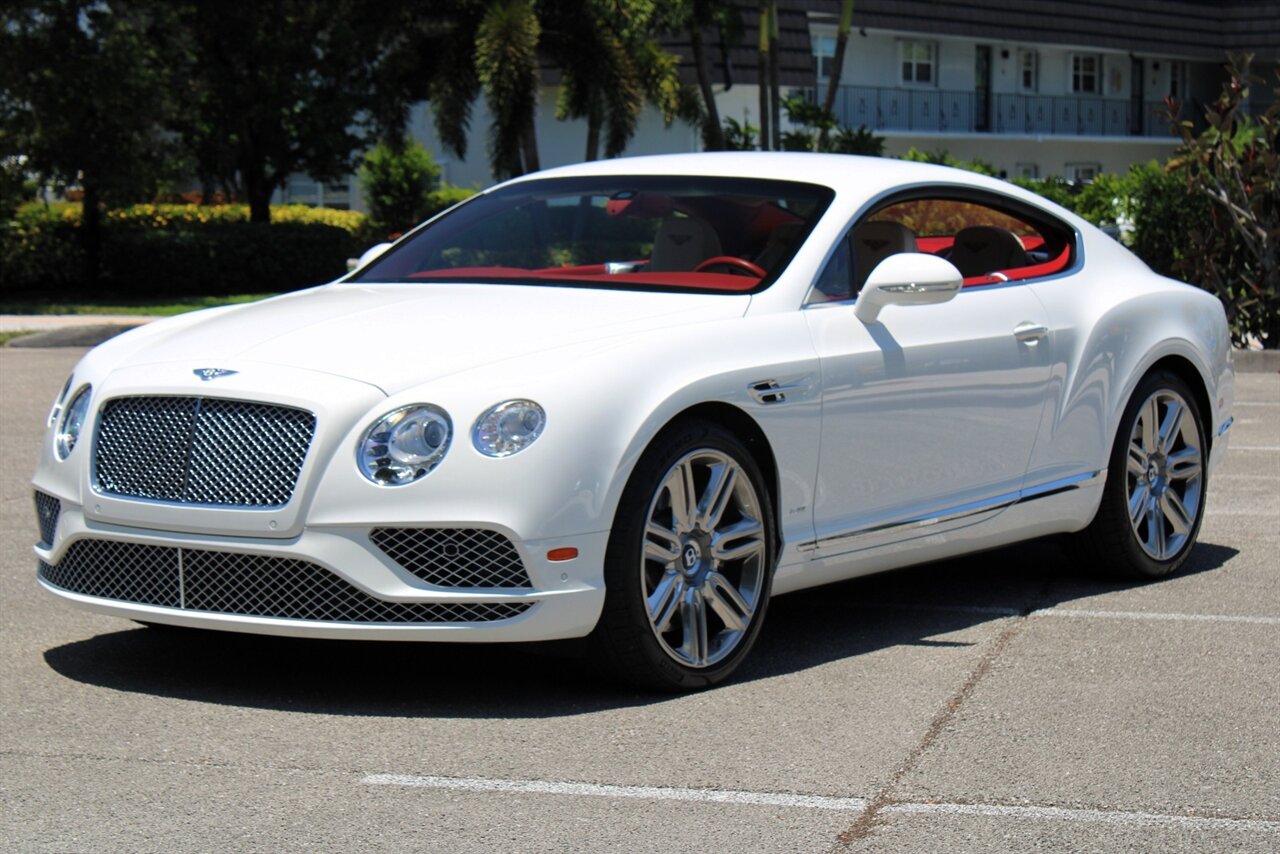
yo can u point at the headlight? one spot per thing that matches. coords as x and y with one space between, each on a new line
56 409
72 420
405 445
508 428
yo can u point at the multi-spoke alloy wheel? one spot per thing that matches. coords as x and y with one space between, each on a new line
703 558
1153 500
1165 474
690 561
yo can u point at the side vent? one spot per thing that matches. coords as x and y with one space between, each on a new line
768 391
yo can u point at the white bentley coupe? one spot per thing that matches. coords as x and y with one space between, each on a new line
630 401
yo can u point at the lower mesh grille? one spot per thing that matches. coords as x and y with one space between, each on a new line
454 557
47 510
250 585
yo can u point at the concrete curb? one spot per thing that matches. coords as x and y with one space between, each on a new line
1257 361
1246 361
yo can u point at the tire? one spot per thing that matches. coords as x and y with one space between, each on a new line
1158 467
686 592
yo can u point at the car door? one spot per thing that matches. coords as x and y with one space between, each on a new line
929 414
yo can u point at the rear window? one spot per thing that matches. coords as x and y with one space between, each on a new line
728 235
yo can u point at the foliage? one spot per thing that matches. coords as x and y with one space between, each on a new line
446 197
397 183
84 97
168 250
1234 166
272 89
821 131
739 137
942 157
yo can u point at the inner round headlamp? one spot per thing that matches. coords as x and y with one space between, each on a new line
405 445
508 428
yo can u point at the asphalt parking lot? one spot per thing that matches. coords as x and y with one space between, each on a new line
1001 702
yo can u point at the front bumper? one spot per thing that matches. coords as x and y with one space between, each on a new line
563 599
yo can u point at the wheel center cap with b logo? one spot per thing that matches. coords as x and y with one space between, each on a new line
692 554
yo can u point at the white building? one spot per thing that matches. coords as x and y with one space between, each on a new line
1036 87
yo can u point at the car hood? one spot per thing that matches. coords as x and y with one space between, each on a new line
398 336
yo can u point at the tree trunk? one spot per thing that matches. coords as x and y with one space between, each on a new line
775 93
529 146
713 134
837 70
257 191
593 134
762 75
91 230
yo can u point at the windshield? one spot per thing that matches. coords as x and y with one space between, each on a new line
724 235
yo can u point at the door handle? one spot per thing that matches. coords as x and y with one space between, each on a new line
1030 333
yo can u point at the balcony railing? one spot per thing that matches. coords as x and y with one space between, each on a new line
942 111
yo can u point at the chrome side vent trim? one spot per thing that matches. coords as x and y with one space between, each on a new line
768 391
772 391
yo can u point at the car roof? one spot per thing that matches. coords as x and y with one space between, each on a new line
851 174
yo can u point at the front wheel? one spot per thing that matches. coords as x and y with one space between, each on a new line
1153 501
690 561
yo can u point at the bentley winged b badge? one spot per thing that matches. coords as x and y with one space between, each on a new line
207 374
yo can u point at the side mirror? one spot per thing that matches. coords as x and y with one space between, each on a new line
369 254
907 278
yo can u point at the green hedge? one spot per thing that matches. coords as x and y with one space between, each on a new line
180 250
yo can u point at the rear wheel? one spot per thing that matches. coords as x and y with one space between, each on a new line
690 562
1153 502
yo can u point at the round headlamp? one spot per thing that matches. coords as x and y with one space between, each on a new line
508 428
56 409
404 445
72 421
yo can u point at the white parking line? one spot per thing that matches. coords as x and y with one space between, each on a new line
1095 816
1217 477
816 802
653 793
1255 448
1254 403
1150 615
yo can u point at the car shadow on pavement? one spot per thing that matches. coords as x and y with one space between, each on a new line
913 607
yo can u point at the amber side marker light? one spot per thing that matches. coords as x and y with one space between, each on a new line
562 554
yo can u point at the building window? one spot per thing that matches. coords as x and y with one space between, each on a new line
918 59
1083 173
1086 73
824 55
1029 70
1029 171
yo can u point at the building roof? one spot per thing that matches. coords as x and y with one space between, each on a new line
739 62
1201 29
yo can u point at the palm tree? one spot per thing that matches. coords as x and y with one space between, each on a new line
837 69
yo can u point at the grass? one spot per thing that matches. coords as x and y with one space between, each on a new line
6 337
146 307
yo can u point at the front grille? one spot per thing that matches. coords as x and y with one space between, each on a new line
454 557
47 510
250 585
201 450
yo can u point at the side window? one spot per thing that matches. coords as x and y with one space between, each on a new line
836 281
989 243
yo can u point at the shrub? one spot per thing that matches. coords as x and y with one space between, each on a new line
162 250
397 183
1233 167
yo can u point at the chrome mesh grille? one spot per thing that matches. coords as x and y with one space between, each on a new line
47 510
454 557
125 571
251 585
201 450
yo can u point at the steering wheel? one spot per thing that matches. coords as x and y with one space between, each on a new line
738 266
